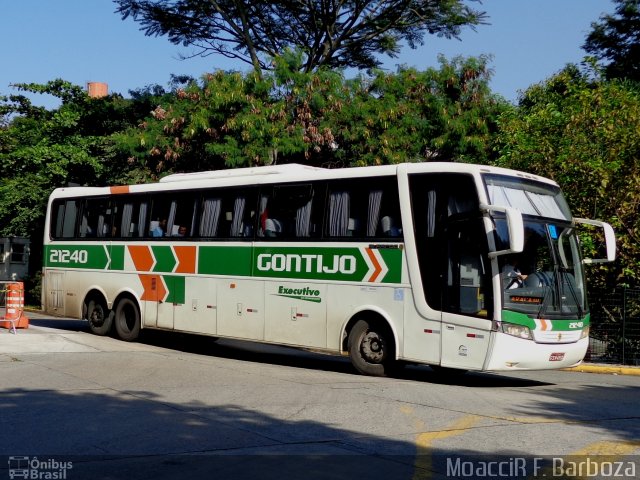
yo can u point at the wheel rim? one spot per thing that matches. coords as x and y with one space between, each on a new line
373 347
97 316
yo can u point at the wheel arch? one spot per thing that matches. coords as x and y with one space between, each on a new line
97 292
377 317
127 293
93 293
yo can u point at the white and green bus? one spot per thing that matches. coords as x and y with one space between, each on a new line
447 264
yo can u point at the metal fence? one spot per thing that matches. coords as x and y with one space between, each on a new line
615 327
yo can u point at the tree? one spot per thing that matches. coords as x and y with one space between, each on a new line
330 34
320 118
44 149
583 132
615 39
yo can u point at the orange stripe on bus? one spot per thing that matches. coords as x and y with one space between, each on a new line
186 258
119 189
142 257
154 289
376 265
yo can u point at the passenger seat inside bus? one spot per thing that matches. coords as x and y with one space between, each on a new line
272 227
387 224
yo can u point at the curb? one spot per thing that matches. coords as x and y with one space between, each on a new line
607 369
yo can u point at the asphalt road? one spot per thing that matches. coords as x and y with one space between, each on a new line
177 406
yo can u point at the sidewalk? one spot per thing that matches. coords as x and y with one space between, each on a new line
604 368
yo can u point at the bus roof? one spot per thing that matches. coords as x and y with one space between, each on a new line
288 173
241 172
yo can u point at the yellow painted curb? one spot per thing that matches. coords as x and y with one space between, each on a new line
615 370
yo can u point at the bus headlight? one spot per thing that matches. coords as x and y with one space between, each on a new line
585 333
519 331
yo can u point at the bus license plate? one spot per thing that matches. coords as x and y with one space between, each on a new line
556 357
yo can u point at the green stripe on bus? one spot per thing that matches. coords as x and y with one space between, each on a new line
165 260
560 325
393 258
176 289
225 260
347 264
76 256
117 257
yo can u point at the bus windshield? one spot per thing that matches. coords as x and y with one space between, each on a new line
546 279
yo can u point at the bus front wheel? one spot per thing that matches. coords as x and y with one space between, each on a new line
371 348
100 317
127 320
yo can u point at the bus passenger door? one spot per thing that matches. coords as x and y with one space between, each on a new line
467 300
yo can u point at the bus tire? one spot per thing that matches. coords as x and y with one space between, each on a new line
100 318
127 320
371 348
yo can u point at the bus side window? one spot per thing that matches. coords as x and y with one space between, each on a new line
65 218
96 218
285 211
173 217
131 217
363 209
240 213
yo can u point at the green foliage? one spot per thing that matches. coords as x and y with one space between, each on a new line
41 149
584 133
615 39
320 118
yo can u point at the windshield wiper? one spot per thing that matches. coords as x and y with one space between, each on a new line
564 278
544 306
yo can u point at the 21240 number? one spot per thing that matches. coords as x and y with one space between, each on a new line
68 256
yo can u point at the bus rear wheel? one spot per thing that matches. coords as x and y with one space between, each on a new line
371 349
127 320
99 316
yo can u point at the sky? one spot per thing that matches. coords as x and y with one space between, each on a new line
85 41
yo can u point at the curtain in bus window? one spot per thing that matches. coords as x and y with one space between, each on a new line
510 197
431 214
126 228
339 214
172 218
68 229
60 220
546 205
303 220
373 217
192 228
263 215
210 217
101 225
238 214
84 226
142 219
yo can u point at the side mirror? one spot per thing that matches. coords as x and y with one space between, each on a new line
515 226
609 236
